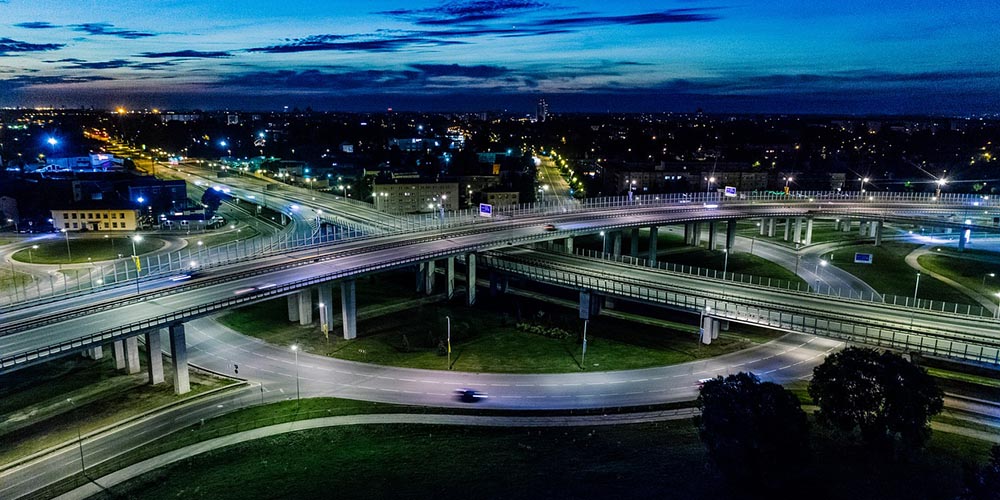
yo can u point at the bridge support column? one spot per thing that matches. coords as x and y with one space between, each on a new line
498 284
706 329
963 239
654 236
154 357
878 233
94 352
846 225
568 244
118 350
809 230
349 309
633 243
421 276
470 278
696 235
688 228
324 294
132 355
293 307
872 228
731 236
763 226
305 307
178 350
771 223
450 277
861 228
616 248
429 283
788 229
712 230
715 328
798 230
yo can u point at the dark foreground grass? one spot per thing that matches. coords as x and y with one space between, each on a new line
656 460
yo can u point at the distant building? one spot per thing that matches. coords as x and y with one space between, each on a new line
414 196
95 219
502 198
541 111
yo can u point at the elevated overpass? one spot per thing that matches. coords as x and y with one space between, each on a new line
34 332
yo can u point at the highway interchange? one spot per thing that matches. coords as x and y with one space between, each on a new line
273 371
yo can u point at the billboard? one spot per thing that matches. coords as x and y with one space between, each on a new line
730 192
485 210
862 258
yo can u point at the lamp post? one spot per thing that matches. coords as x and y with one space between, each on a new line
12 221
31 260
787 180
604 243
135 259
708 188
997 315
988 275
295 349
583 355
79 440
322 321
725 265
448 319
915 288
864 180
940 182
69 254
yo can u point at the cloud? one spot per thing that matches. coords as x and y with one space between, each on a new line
479 71
665 17
349 43
36 25
113 64
110 30
186 54
22 81
8 46
458 12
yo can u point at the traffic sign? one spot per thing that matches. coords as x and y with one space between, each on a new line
730 191
485 210
862 258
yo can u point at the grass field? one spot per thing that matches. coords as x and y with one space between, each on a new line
889 273
657 460
973 273
486 338
86 249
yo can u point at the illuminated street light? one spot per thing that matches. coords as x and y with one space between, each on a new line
295 349
135 259
988 275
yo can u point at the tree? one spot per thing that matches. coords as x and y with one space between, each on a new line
984 484
882 395
755 432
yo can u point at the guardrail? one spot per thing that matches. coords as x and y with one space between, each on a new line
788 314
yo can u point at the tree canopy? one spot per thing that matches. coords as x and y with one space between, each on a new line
880 394
754 431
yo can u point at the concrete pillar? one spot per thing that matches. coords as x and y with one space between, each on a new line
712 230
421 277
963 239
696 235
569 245
688 229
429 283
132 355
861 228
878 233
654 236
470 278
846 225
305 307
94 352
809 230
798 229
763 227
154 357
293 307
118 348
450 277
325 297
873 228
731 236
633 243
724 325
788 228
616 248
771 223
715 328
706 330
178 350
349 309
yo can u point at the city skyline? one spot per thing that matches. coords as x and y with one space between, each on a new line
852 58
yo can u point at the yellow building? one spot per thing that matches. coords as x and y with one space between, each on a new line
95 219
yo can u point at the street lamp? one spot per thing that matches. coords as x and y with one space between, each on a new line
12 221
604 243
322 321
448 319
295 349
915 288
988 275
79 439
997 315
864 180
135 259
30 259
69 254
725 266
940 182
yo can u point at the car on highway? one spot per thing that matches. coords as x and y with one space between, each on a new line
467 395
550 227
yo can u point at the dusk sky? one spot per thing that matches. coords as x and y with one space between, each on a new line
844 56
